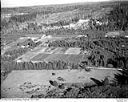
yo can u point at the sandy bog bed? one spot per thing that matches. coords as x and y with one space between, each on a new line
25 83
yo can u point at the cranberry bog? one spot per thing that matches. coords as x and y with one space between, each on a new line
25 83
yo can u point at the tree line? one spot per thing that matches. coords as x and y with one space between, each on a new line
117 18
56 65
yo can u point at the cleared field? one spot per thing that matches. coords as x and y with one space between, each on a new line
75 58
60 50
73 51
64 57
57 57
37 49
42 50
53 50
50 50
25 83
65 36
40 57
37 54
52 54
54 35
29 55
33 35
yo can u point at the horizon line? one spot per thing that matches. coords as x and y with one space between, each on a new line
58 4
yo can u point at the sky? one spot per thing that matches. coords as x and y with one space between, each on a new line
20 3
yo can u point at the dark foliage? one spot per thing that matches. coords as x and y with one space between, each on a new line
91 92
122 78
118 17
23 18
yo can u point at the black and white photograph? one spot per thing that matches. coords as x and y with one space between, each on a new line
64 49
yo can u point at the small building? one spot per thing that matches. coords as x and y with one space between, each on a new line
83 21
49 36
19 60
23 46
72 25
126 36
114 34
81 36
